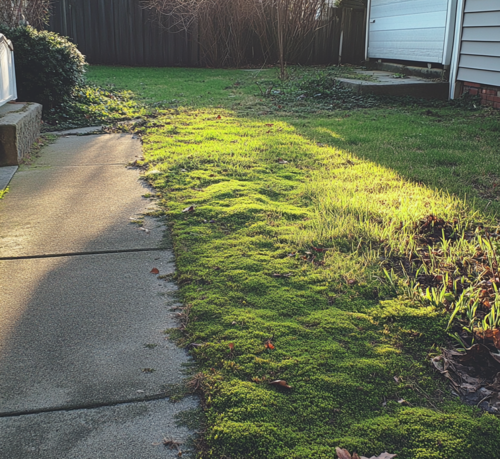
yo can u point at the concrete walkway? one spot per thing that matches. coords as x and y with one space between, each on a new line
83 357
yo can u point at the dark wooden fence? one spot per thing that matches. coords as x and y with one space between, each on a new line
121 32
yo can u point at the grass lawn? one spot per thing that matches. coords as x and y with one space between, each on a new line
299 205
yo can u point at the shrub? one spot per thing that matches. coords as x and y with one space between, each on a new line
48 66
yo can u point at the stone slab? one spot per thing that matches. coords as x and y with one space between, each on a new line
78 197
19 128
6 174
81 330
134 431
384 83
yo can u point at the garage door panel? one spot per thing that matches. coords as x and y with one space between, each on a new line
429 55
408 8
415 21
394 36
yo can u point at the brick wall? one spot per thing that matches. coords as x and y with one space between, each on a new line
490 95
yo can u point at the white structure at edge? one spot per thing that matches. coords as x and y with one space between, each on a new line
8 90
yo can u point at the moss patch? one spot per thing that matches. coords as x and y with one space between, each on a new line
268 197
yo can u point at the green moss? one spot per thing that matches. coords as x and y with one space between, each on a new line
269 190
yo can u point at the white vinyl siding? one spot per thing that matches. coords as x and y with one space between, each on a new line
480 50
412 30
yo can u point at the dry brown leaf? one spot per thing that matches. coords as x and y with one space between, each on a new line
231 346
280 383
342 453
219 117
269 345
188 209
155 271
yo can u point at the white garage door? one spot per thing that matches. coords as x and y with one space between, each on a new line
412 30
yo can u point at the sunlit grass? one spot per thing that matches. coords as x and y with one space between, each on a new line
295 217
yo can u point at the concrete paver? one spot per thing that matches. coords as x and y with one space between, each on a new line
78 197
129 431
74 330
82 348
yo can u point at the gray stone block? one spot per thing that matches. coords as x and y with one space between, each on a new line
19 128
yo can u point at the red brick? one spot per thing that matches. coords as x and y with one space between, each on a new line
473 91
496 105
489 92
487 102
474 85
493 98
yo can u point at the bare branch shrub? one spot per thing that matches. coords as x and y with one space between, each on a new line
14 13
231 31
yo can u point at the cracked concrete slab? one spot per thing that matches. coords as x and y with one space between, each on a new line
132 430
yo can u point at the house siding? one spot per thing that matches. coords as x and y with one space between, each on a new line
479 62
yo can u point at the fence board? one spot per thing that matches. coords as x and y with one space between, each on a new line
121 32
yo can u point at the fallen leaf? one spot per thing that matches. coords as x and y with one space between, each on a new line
269 125
219 117
188 209
493 335
351 281
344 454
282 161
155 271
231 346
280 383
269 345
317 249
171 443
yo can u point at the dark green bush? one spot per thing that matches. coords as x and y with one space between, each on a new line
48 66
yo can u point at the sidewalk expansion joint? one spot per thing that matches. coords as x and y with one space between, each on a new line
73 254
83 406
